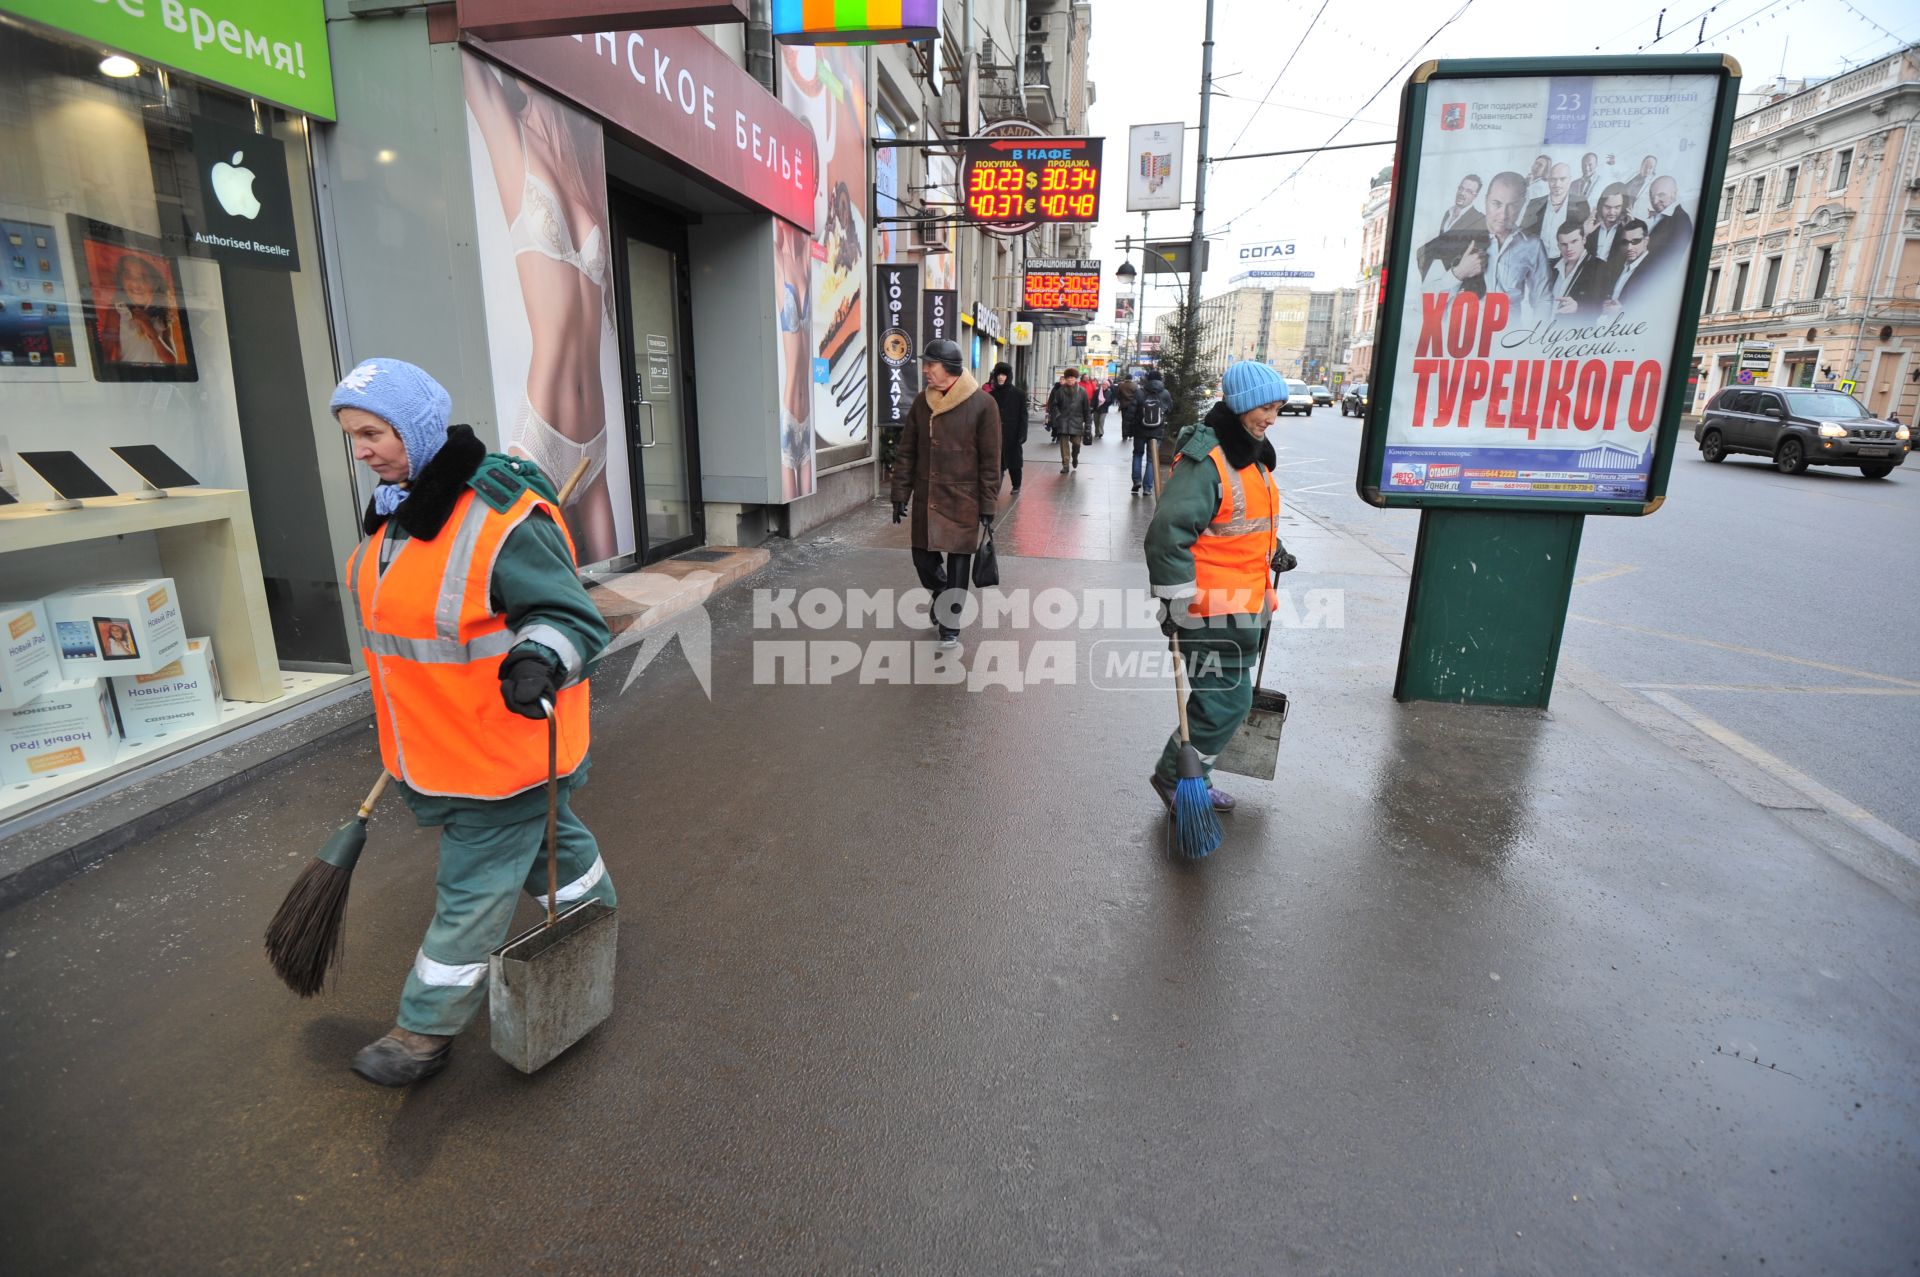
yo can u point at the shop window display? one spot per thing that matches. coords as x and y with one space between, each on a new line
162 316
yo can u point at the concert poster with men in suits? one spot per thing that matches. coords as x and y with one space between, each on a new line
1553 225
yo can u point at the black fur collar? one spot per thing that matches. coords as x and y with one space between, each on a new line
440 484
1236 444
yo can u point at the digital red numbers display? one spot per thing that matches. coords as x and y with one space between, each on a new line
1062 284
1032 180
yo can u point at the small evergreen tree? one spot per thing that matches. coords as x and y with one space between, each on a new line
1180 368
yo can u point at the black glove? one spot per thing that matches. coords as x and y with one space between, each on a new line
1282 561
986 523
525 680
1174 619
899 511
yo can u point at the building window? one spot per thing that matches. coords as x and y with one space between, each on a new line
1739 297
1713 289
1726 203
1773 281
1754 193
1787 187
1821 274
1842 169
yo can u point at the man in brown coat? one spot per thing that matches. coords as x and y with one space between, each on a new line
948 465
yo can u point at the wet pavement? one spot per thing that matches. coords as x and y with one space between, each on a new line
908 985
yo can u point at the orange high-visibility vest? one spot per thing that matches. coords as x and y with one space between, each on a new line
1231 559
433 646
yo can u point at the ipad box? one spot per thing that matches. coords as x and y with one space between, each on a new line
183 697
28 666
116 629
68 728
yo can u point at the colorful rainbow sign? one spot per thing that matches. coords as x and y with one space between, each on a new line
855 21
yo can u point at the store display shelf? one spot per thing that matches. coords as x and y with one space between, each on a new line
300 685
206 544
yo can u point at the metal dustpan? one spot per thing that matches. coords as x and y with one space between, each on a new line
1255 748
551 986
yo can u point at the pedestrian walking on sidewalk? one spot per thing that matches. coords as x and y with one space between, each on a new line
1151 408
1125 390
1104 401
1067 418
948 471
473 621
1210 549
1012 400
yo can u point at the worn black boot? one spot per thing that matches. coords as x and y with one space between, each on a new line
391 1062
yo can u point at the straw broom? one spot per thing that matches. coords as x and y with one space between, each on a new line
304 939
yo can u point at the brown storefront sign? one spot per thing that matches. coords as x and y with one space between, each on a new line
675 92
533 19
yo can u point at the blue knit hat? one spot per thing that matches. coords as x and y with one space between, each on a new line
406 398
1249 385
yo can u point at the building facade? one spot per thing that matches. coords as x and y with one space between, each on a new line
1816 254
646 256
1373 256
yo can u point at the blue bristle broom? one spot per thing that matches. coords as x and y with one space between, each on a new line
1196 829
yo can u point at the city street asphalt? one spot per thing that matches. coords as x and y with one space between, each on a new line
1784 608
907 983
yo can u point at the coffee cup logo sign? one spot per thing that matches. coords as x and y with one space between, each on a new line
899 288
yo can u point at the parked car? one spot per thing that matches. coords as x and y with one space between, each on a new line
1800 428
1299 399
1354 402
1321 395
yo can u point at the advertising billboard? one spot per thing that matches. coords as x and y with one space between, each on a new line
1549 231
1154 165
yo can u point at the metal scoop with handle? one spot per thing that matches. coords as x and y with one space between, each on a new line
549 987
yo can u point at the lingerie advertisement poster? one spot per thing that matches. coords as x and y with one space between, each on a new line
545 245
1554 221
826 88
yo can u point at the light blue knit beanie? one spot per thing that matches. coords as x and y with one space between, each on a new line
406 398
1249 385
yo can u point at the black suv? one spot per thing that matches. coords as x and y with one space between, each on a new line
1354 402
1799 428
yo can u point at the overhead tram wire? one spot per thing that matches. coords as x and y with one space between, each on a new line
1455 16
1265 98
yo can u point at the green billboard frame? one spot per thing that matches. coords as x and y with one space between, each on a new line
1398 269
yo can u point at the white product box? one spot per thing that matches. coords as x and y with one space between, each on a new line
68 728
183 697
121 627
27 664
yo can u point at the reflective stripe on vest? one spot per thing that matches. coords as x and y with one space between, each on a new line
433 644
1232 554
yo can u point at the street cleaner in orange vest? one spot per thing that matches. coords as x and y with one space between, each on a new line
473 621
1213 541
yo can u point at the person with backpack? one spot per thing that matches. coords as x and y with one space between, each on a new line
1067 417
1151 407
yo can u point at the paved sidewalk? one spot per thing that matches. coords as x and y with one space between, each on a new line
907 985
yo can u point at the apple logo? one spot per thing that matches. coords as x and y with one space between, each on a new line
233 187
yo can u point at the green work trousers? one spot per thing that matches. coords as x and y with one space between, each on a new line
483 868
1220 658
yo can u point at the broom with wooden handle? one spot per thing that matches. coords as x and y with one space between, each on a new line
304 938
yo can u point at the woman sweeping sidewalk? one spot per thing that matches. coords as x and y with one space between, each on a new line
467 547
1211 545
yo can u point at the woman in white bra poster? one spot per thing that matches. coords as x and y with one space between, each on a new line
548 165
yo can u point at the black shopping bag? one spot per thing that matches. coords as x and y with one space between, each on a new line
986 564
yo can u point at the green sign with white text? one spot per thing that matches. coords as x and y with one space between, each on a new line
270 49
